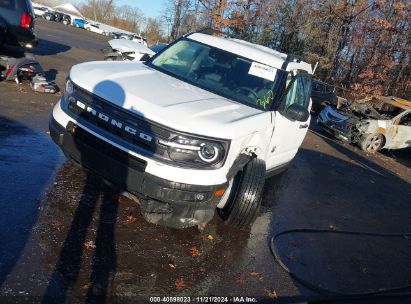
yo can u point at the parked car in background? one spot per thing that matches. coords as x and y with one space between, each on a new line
39 11
158 47
373 123
115 35
49 16
126 50
322 94
66 19
17 23
124 36
138 39
53 16
95 28
80 23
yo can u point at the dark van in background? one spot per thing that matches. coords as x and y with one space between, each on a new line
322 93
17 23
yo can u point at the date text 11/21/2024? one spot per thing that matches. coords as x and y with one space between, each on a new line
201 299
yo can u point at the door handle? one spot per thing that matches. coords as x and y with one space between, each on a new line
304 126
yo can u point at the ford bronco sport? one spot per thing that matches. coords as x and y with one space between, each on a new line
198 127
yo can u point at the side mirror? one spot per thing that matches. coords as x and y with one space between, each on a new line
297 112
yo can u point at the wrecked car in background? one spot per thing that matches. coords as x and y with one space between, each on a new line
126 50
373 123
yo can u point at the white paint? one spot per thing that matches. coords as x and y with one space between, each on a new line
382 124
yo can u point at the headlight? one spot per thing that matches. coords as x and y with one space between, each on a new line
195 151
69 89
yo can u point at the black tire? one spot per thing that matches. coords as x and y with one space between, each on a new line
244 202
371 142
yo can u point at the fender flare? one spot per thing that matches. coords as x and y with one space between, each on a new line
239 163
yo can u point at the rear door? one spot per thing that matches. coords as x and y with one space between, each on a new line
289 134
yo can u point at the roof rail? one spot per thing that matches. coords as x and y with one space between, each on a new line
208 31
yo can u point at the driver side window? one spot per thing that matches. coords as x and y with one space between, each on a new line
299 92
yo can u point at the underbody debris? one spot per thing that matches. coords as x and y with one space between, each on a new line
374 123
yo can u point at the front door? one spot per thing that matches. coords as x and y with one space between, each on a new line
289 134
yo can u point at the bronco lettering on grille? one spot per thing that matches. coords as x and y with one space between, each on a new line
112 121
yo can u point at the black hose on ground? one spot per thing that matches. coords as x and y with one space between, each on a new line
329 295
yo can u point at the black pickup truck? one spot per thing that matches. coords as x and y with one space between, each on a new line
17 23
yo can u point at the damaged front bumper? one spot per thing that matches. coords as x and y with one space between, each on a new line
337 124
162 201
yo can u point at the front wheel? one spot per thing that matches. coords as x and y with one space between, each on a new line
244 195
371 142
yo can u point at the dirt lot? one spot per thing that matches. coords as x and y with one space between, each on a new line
63 232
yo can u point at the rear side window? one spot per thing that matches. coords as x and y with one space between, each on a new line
9 4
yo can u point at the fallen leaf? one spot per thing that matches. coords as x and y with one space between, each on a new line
180 284
171 265
194 251
254 274
90 245
130 219
240 279
271 293
210 237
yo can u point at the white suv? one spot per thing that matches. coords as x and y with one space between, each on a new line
196 128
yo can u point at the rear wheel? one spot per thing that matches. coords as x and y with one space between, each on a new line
371 142
244 195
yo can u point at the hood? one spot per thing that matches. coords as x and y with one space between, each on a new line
125 46
167 100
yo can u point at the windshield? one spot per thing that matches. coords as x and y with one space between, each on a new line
220 72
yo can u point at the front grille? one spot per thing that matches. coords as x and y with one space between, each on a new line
143 128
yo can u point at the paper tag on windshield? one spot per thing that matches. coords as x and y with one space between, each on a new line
262 71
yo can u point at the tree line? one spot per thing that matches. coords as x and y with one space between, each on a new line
361 45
